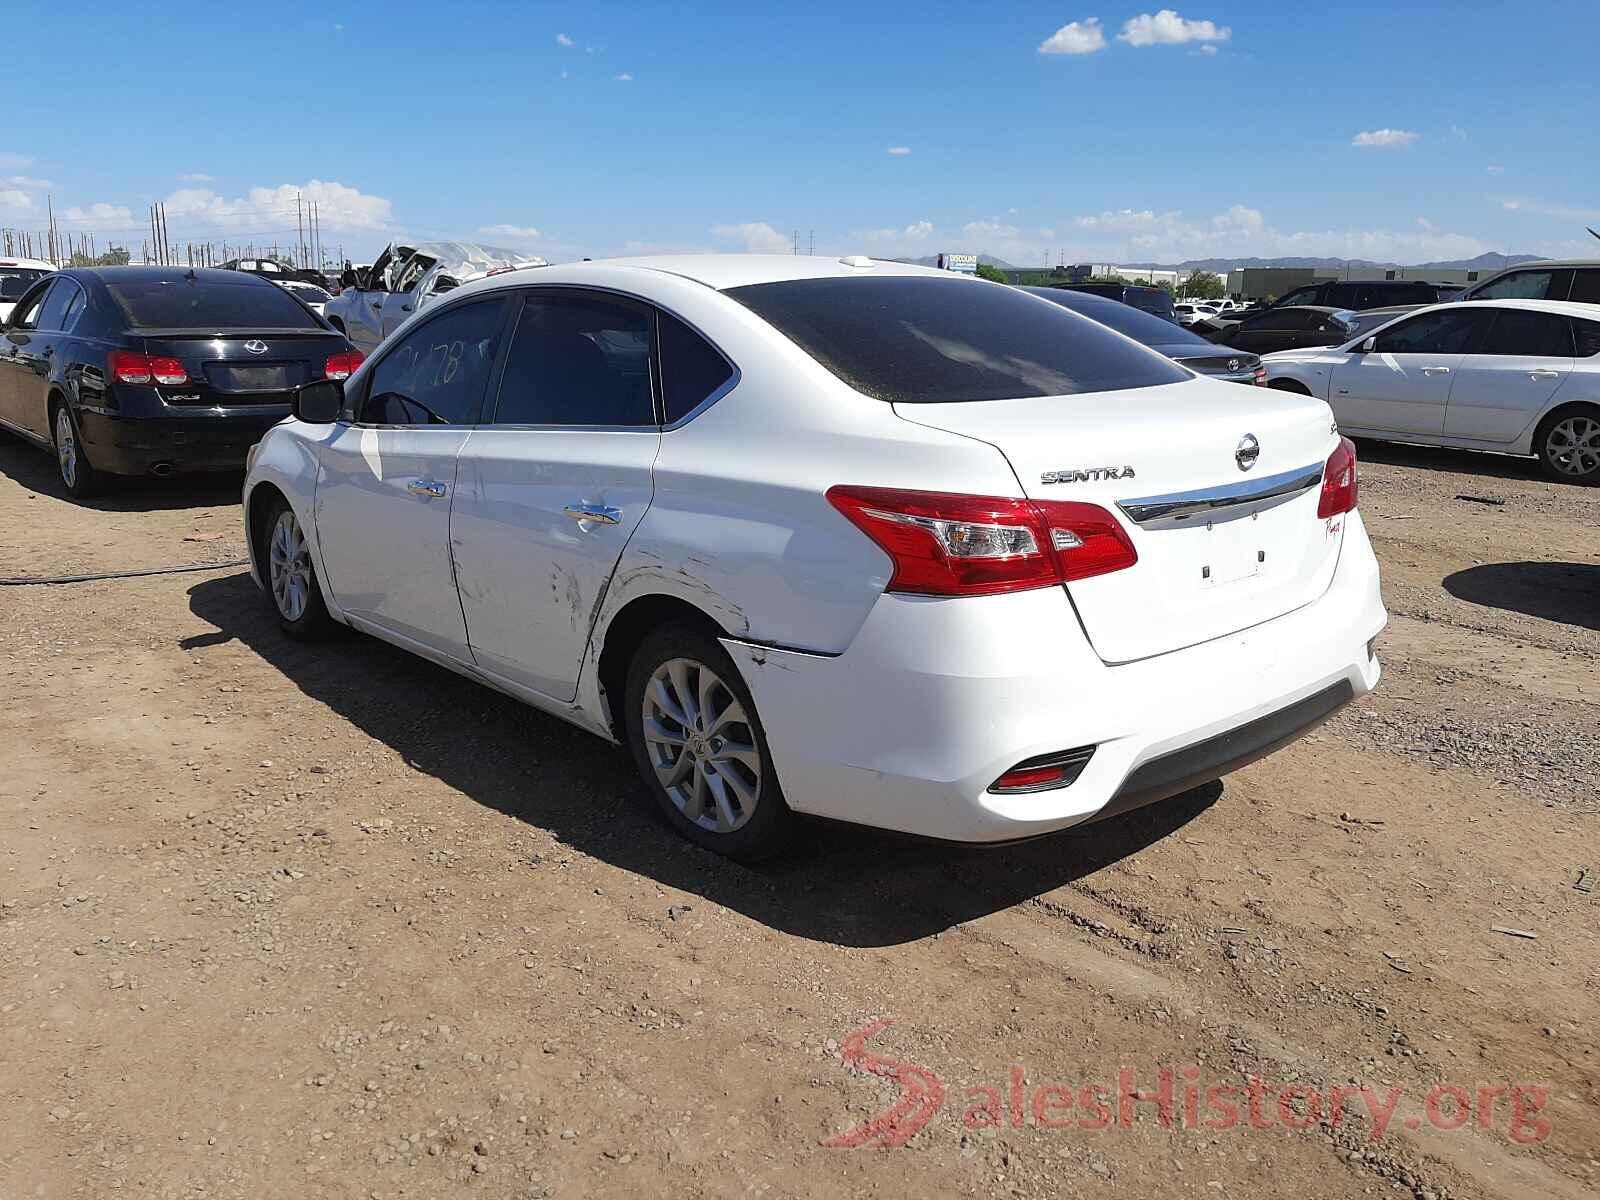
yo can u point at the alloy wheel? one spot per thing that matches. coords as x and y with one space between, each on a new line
1573 445
66 447
289 567
701 745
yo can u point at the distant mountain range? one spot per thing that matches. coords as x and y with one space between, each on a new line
1484 262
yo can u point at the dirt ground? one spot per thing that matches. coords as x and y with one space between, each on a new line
279 920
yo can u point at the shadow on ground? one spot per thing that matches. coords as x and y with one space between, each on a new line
1456 462
1554 591
34 469
842 885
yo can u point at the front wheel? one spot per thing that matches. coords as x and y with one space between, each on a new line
700 747
1568 445
291 576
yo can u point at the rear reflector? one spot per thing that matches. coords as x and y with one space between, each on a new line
1339 479
1044 773
343 365
945 544
128 367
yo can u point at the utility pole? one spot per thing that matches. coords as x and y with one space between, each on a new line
299 235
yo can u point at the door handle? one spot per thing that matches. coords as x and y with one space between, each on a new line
428 489
598 513
1436 370
1544 373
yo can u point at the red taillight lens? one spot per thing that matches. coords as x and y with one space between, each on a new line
1260 376
168 371
1029 779
343 365
127 367
943 544
1339 481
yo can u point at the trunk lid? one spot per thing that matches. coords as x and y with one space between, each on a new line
1221 548
225 371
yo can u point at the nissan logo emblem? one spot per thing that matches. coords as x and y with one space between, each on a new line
256 346
1247 452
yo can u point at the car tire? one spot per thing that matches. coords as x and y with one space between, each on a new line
1568 445
700 747
77 473
292 587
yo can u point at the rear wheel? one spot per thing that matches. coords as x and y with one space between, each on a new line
700 747
1568 445
78 475
291 577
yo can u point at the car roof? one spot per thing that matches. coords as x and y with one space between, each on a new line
720 271
1544 264
1570 308
32 264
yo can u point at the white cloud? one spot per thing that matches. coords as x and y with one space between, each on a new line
1384 139
264 210
27 183
10 161
516 233
1458 133
15 198
891 239
1544 208
1495 169
196 177
898 151
625 78
563 40
756 236
1208 49
1078 37
99 214
1167 28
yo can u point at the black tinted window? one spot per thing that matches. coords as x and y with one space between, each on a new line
1586 286
1528 334
1348 295
438 372
61 294
182 303
1519 285
16 280
1305 295
1124 318
578 359
1287 318
1587 336
1447 332
691 369
920 340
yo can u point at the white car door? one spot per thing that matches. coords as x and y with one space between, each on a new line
551 486
1402 384
388 477
1505 383
401 301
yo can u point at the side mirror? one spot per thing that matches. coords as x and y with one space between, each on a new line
319 403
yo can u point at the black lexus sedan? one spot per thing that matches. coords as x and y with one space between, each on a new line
126 371
1161 335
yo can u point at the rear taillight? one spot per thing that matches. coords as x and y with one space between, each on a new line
342 365
1339 481
1260 376
944 544
1043 773
127 367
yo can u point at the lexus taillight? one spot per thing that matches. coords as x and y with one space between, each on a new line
945 544
127 367
342 365
1339 481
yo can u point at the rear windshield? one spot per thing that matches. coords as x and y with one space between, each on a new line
16 280
207 304
1127 320
913 340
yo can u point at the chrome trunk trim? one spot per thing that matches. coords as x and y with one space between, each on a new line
1227 501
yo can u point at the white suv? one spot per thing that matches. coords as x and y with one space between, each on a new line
837 537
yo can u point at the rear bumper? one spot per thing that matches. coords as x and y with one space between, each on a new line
206 441
935 699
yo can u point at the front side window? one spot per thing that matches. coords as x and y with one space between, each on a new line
919 340
1519 285
1525 334
438 372
1449 332
578 358
691 369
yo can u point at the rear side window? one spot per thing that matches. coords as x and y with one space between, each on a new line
53 314
1519 285
182 303
691 368
1305 295
1528 334
1349 295
578 359
1586 286
1587 336
916 340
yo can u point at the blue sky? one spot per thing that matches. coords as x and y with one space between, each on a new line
1100 132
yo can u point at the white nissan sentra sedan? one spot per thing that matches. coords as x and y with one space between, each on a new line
836 537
